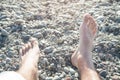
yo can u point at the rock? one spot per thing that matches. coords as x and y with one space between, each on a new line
49 78
62 75
25 37
10 54
115 77
16 27
8 60
38 35
100 18
56 78
48 50
72 71
76 75
118 13
2 56
103 73
4 32
19 21
117 19
3 17
66 69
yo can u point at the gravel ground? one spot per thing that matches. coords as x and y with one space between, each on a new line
55 24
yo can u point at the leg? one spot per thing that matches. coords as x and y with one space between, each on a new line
30 55
82 58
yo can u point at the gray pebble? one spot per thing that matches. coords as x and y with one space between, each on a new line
38 35
103 73
4 32
72 71
100 18
49 78
10 54
2 56
48 50
56 78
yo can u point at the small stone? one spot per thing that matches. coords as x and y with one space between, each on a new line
103 73
25 37
10 54
117 20
56 78
76 75
2 56
49 78
8 60
62 75
115 77
100 18
38 35
4 32
3 17
72 71
48 50
66 69
19 21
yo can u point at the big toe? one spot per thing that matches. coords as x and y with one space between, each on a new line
92 25
86 18
34 42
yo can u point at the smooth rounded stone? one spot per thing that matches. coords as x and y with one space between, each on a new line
105 4
45 61
19 21
25 37
17 42
3 17
4 32
72 71
69 69
115 77
43 75
56 78
100 18
117 19
62 75
76 75
66 69
49 78
52 67
8 60
38 35
2 56
17 27
103 73
48 50
10 54
118 13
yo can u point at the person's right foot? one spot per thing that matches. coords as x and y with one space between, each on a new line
82 56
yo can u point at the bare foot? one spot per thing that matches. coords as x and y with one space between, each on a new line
81 56
30 54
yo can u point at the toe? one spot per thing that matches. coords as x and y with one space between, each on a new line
29 45
34 42
20 52
86 18
23 50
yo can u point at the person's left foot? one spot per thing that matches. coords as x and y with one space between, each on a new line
30 53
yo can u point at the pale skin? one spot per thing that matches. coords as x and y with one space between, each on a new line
81 58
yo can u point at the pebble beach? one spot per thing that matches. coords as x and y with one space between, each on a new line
55 23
